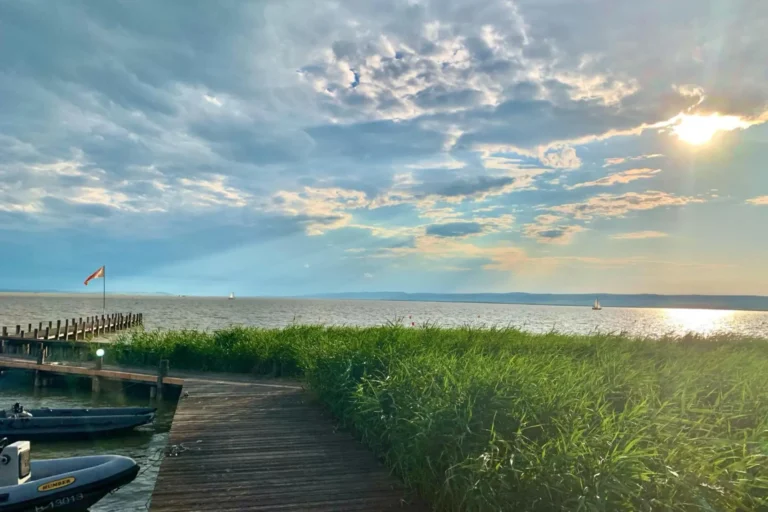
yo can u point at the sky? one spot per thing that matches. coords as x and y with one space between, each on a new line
296 147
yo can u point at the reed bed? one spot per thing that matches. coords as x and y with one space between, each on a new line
500 419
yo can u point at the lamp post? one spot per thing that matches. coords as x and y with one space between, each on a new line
100 360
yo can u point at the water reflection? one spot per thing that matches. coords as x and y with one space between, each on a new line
701 321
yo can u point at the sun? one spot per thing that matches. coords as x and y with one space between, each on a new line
699 129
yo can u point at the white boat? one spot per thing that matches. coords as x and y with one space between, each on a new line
597 305
232 296
71 484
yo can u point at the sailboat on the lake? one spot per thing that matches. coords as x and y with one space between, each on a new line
597 305
231 295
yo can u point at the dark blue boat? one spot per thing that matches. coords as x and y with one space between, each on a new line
55 424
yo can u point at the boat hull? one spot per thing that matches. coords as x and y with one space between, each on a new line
89 485
95 411
60 428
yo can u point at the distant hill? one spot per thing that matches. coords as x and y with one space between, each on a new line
740 302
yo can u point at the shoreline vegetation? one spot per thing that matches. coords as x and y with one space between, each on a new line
501 419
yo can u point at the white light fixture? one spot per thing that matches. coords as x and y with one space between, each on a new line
100 352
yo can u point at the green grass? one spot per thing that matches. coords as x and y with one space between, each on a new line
506 420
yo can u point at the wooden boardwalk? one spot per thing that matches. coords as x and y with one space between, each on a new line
256 446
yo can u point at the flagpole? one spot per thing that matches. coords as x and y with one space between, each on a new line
104 295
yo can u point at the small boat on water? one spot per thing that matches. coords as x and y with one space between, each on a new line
55 424
597 305
69 484
231 295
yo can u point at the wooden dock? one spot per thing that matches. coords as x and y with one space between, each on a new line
238 443
266 446
78 329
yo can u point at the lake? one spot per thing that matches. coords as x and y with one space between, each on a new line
214 313
145 445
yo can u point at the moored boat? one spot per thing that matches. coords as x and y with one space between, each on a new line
57 424
69 484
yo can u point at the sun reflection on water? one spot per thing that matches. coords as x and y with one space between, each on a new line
702 321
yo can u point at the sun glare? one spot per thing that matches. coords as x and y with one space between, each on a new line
705 321
698 130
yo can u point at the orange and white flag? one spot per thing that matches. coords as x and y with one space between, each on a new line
99 273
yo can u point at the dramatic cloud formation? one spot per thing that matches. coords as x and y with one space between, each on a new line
239 138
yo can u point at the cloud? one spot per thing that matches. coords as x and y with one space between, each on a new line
640 235
468 187
548 229
617 178
609 205
760 200
620 160
368 275
547 234
560 158
454 229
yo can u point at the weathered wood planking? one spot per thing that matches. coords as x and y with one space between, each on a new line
267 448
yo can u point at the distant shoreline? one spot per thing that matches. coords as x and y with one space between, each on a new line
610 301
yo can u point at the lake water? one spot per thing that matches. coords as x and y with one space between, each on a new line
215 313
145 445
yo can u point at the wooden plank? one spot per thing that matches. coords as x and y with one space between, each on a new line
131 376
266 447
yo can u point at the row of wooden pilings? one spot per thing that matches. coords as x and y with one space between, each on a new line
78 329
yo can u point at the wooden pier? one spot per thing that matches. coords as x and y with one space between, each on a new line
269 447
78 329
238 443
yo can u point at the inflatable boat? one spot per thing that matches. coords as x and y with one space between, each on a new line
56 424
64 485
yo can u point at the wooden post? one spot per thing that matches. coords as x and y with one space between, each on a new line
66 329
40 326
58 330
50 324
18 330
35 334
29 328
95 384
99 362
5 332
47 333
162 371
41 353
